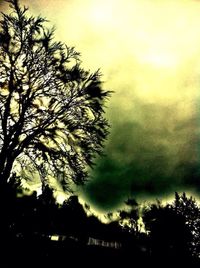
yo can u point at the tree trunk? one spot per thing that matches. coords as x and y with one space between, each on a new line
6 168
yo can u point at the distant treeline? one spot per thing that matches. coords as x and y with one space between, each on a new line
150 232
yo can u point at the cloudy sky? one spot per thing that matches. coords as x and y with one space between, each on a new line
149 55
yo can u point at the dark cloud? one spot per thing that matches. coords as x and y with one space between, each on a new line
151 155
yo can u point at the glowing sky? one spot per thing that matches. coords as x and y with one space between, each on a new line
149 54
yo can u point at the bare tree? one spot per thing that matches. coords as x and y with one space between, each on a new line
51 110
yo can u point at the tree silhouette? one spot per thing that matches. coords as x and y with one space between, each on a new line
168 233
51 110
187 207
130 217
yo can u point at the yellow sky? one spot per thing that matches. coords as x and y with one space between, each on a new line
152 47
141 44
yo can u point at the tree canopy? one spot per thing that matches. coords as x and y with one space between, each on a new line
52 120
